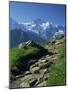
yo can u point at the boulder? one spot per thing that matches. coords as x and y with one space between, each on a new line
43 61
24 84
34 65
42 84
27 73
34 70
43 71
33 82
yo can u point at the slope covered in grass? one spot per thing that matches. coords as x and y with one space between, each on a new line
57 74
45 66
22 58
18 57
16 53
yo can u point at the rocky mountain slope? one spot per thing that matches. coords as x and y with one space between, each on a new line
38 72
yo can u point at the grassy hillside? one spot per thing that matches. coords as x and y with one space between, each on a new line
18 55
34 65
57 74
22 58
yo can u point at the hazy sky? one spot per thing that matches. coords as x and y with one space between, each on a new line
25 12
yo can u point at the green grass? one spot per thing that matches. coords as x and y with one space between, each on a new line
16 54
57 74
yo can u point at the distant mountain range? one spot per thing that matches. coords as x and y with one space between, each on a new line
38 31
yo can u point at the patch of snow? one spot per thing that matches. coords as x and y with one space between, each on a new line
33 25
45 25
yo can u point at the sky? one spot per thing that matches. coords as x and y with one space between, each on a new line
27 12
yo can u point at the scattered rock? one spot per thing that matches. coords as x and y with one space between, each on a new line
47 56
57 43
32 82
43 71
34 65
27 73
27 78
45 78
24 84
42 66
43 61
19 76
42 84
34 70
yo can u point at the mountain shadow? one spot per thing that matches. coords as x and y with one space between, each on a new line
25 62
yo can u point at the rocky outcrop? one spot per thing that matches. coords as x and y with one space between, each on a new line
36 76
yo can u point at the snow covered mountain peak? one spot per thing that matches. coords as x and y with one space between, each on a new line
44 29
45 25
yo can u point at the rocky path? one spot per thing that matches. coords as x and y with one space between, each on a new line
36 76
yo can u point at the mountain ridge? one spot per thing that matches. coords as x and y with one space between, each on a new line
38 30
